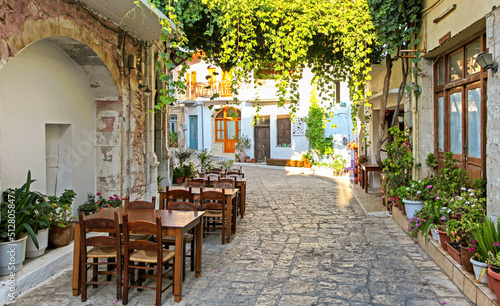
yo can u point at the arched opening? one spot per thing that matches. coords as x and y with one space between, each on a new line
50 95
228 127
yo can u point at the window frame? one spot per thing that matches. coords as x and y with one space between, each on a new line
224 120
463 85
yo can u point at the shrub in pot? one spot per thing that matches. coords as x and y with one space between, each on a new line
415 193
61 229
243 143
486 240
17 209
40 224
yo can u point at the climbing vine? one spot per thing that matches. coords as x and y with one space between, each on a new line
334 39
338 40
316 123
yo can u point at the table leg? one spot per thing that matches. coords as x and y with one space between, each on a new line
235 212
365 177
229 217
178 264
76 261
198 246
243 196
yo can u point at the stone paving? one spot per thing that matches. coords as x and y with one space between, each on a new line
304 241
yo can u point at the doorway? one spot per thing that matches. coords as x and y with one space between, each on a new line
193 132
262 138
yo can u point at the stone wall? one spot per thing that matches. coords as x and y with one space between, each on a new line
121 131
425 118
493 116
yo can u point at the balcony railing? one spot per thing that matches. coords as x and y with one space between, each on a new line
208 89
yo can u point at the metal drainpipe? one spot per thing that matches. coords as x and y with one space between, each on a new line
414 129
202 128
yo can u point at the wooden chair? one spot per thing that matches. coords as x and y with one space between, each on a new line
225 183
196 182
175 195
104 247
188 237
140 204
145 253
214 203
214 170
211 179
236 174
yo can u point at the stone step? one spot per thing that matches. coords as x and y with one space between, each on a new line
36 271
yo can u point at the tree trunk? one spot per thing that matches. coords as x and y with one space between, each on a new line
383 107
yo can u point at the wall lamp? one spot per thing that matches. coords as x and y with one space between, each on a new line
485 60
145 89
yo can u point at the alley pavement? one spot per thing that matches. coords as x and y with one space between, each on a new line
303 241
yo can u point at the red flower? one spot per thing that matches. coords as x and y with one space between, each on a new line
102 209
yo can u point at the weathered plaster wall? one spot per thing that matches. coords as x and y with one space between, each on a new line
40 86
120 124
425 118
493 117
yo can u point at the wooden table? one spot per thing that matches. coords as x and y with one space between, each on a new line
230 195
241 183
368 168
174 223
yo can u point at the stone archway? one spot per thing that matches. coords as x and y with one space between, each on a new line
76 129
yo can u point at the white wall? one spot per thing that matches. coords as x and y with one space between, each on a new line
43 85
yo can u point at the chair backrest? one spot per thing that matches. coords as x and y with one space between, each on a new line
211 178
99 241
182 205
176 195
214 170
143 228
196 182
140 204
213 200
225 183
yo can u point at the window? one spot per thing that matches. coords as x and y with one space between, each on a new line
284 130
173 123
460 107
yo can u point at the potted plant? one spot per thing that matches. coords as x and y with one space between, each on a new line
61 230
173 139
415 194
16 209
242 143
226 164
307 158
40 224
206 160
486 240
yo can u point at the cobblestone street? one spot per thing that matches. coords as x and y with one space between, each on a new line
304 241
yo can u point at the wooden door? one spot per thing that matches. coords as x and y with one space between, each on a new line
193 132
230 132
262 143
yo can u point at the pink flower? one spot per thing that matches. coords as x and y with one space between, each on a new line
383 197
429 186
496 244
98 193
471 249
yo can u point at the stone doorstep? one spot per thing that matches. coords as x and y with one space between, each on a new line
38 270
478 293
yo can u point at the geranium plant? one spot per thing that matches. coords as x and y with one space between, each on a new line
421 190
61 208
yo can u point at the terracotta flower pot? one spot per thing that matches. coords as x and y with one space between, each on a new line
490 280
454 253
61 236
466 256
254 160
495 281
443 237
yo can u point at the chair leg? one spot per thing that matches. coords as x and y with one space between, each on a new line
192 255
159 273
224 230
125 282
140 272
94 272
83 276
118 279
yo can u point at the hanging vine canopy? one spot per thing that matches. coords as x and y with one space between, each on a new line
334 38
